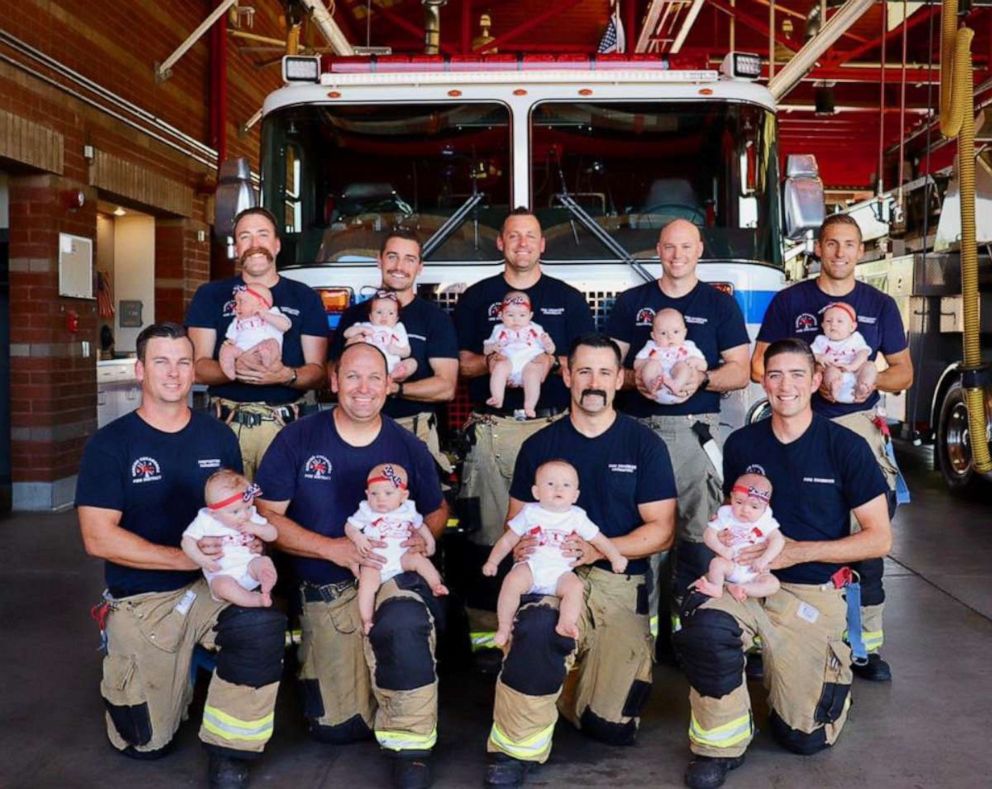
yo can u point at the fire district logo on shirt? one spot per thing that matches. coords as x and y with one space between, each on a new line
317 467
645 317
494 310
806 322
145 469
228 310
754 468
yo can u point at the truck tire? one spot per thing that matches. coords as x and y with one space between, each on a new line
953 446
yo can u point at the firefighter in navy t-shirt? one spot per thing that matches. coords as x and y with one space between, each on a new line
313 478
140 484
261 399
715 324
627 489
820 473
797 311
413 403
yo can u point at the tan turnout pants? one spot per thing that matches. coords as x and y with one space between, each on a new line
806 669
338 673
150 641
608 675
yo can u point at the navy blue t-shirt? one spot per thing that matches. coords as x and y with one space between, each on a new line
817 480
559 309
212 307
713 321
619 470
797 311
323 478
432 336
155 480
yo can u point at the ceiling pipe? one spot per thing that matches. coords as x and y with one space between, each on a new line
323 19
432 26
805 59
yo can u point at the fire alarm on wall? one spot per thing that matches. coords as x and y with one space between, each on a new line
73 199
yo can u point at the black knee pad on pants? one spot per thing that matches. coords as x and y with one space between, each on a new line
535 665
870 571
400 640
352 730
251 642
709 646
796 741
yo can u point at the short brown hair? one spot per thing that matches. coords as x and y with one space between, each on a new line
257 210
840 219
401 232
166 329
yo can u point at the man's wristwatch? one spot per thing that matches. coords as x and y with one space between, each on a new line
555 364
399 389
292 380
704 384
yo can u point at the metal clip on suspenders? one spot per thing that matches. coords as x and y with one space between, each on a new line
845 578
902 489
710 447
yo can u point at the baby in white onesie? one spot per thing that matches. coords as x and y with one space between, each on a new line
843 353
546 571
668 359
383 523
257 326
386 332
230 514
516 343
747 521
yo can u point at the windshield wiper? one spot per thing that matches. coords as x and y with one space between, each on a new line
452 223
601 235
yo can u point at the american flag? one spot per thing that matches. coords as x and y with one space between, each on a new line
613 39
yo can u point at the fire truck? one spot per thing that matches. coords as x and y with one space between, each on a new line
604 150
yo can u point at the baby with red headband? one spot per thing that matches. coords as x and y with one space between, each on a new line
257 326
382 524
843 353
386 332
230 514
516 343
745 522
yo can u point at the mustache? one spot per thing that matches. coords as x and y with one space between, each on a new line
256 251
599 392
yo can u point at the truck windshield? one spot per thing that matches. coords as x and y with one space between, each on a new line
632 167
340 175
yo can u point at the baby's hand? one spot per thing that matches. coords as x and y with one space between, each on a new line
489 569
619 565
211 566
726 538
760 566
548 343
363 544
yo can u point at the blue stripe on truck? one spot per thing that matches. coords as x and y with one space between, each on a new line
754 303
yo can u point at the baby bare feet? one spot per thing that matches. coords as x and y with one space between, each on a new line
567 629
530 413
440 590
737 592
495 402
706 587
367 627
501 638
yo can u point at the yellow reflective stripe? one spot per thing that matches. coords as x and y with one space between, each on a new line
654 626
406 740
726 736
873 639
483 639
676 623
452 523
293 637
228 727
528 749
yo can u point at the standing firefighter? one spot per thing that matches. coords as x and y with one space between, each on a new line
141 483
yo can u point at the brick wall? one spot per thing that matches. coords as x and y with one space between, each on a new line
116 44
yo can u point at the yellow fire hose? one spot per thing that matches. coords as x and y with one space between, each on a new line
957 119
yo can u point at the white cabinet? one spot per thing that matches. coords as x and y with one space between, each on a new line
117 390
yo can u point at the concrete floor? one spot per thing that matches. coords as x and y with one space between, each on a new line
931 727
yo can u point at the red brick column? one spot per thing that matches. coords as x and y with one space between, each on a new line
182 264
53 386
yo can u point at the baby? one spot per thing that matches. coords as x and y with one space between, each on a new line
843 352
257 326
518 341
384 330
230 515
745 522
668 359
389 518
546 571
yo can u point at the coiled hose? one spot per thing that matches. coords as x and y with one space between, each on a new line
957 119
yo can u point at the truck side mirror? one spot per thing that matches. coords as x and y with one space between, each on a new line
234 194
802 196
